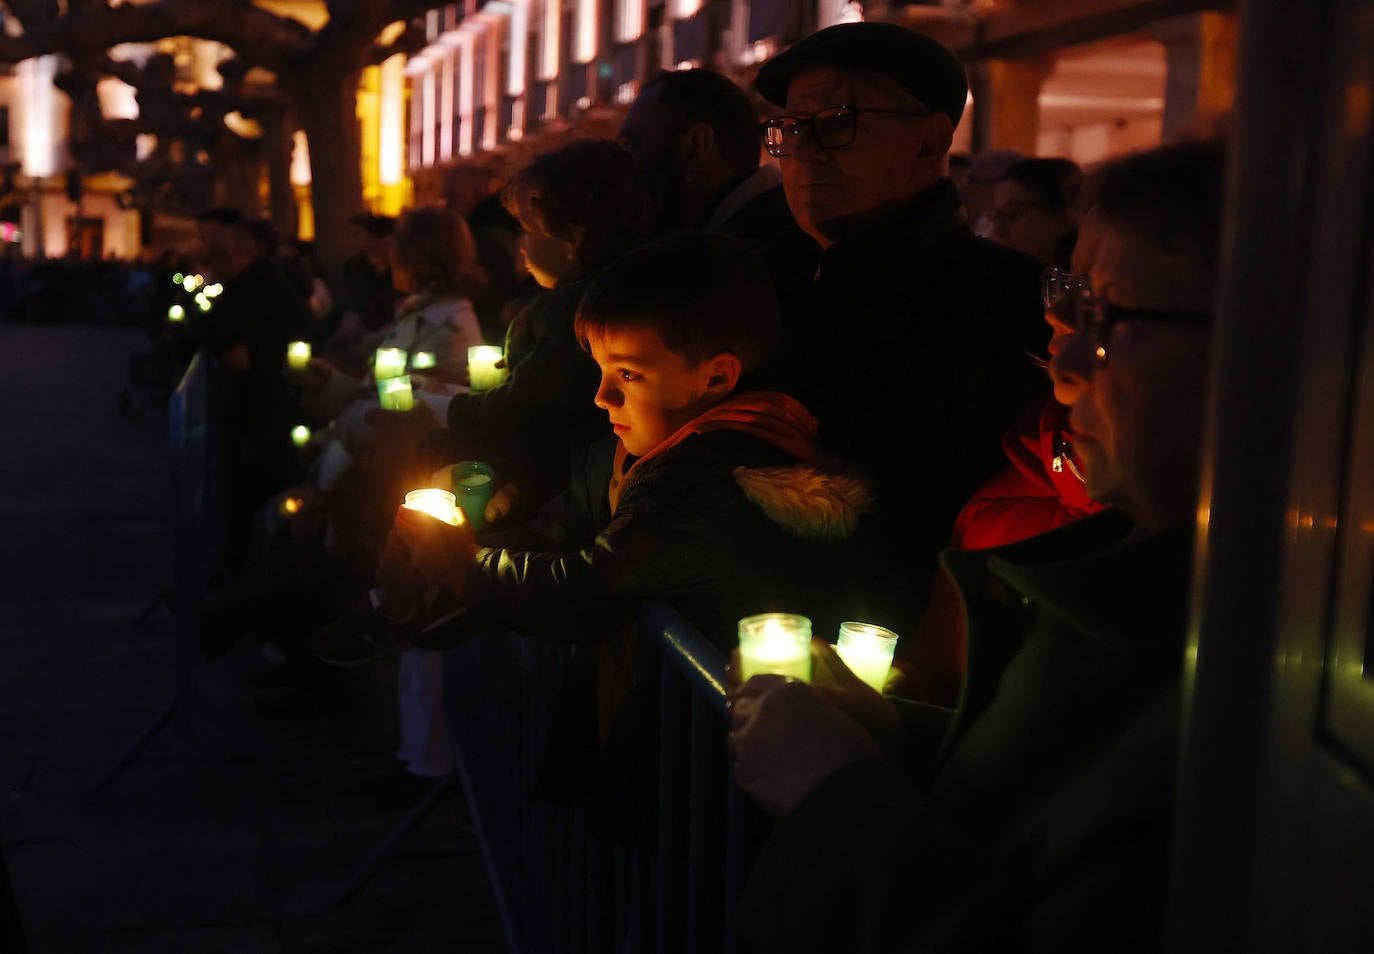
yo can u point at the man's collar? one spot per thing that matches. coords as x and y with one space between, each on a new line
900 227
739 194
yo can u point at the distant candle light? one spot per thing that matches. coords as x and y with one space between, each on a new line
298 355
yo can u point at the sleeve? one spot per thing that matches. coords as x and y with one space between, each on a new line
637 557
849 869
339 392
546 393
450 338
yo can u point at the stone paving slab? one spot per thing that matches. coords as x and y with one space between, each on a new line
192 851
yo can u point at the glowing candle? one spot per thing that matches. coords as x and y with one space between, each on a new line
421 360
388 363
300 435
298 355
436 502
473 484
176 313
290 505
483 374
867 651
394 394
775 643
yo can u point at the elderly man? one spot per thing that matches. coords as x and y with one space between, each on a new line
925 332
1037 817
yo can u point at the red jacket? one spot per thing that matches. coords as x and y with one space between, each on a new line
1039 491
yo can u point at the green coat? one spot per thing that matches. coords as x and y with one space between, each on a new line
1036 816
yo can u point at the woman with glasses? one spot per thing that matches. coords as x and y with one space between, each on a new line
1034 209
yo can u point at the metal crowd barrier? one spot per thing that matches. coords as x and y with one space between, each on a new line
561 885
194 524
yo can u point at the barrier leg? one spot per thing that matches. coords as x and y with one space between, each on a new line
398 835
178 701
247 748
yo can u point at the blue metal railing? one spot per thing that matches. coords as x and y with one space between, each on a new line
194 524
560 881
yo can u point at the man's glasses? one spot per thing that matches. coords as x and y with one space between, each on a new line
830 128
1071 298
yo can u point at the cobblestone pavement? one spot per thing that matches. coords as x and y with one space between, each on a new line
192 851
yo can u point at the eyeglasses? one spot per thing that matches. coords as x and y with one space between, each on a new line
1071 297
830 128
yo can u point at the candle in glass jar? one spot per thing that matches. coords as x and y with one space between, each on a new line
394 394
775 643
388 363
422 360
438 503
300 435
473 484
483 374
298 355
867 651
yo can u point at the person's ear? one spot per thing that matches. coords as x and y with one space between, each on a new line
695 145
936 137
722 373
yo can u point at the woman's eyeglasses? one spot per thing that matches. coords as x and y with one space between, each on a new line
1071 298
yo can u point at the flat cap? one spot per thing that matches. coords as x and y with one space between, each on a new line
923 67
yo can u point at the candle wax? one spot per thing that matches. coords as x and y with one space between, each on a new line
868 664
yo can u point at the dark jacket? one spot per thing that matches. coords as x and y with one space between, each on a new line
722 525
259 310
530 424
263 312
1037 818
926 336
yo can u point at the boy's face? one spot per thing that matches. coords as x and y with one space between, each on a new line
650 392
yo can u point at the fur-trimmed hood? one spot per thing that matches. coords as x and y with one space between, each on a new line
806 500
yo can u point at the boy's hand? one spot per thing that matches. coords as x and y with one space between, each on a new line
785 738
501 503
440 553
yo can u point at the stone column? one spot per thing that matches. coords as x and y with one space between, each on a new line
1006 103
1200 50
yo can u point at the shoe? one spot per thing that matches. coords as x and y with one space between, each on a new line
356 639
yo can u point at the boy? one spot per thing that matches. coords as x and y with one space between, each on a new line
714 498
